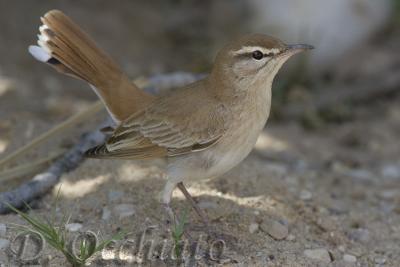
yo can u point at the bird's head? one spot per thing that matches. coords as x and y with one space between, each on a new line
253 60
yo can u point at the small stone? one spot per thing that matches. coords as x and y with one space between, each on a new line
73 227
124 210
388 194
305 195
326 224
3 229
391 171
361 175
360 235
291 237
380 261
319 254
207 205
106 214
349 258
253 227
115 195
275 229
4 243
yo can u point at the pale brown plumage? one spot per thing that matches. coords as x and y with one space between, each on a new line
203 129
163 130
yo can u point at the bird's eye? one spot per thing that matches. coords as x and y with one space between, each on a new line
257 55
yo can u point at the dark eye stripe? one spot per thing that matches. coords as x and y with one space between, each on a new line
250 55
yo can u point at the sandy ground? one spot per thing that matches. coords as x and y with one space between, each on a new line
334 189
323 197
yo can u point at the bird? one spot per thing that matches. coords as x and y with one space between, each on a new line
203 129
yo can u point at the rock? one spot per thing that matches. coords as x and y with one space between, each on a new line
207 205
319 254
349 258
4 243
305 195
124 210
380 261
73 227
275 229
359 235
253 227
391 172
361 175
291 237
388 194
114 195
326 224
3 229
106 214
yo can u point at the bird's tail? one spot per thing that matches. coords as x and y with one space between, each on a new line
63 45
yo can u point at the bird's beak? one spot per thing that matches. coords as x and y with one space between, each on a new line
297 48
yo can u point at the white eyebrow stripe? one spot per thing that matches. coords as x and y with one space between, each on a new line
251 49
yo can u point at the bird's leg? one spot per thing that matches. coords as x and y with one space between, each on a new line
166 199
196 208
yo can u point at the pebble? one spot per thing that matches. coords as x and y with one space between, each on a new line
291 237
320 254
275 229
207 205
305 195
380 261
253 227
4 243
73 227
361 175
3 229
124 210
326 224
388 194
349 258
360 235
115 195
391 171
106 214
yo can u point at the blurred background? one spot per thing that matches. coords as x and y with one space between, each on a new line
336 109
356 41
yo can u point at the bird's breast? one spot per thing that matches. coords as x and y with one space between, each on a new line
230 150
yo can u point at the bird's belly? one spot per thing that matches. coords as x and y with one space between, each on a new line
218 159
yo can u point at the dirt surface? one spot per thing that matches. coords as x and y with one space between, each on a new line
322 197
335 189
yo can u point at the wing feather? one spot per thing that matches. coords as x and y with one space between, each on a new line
165 130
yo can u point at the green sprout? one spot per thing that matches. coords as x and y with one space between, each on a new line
177 233
57 236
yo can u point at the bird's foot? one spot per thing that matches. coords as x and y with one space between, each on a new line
170 217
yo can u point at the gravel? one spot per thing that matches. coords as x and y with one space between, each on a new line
349 258
320 254
73 227
106 214
253 227
3 229
4 243
124 210
275 229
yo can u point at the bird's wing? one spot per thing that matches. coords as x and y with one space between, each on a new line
169 127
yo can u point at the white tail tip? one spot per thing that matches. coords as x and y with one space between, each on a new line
39 53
